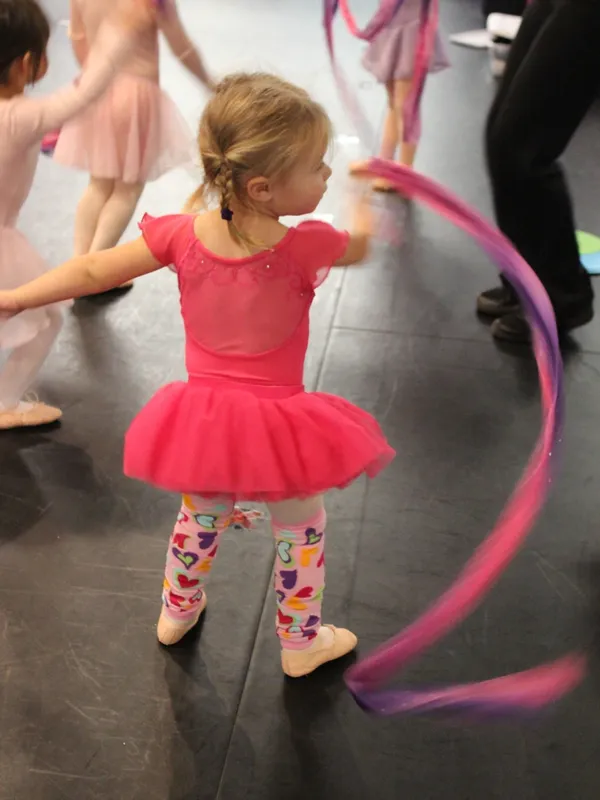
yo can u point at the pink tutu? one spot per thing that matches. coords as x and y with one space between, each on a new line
133 133
391 56
19 264
194 438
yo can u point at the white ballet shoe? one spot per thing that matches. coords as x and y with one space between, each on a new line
329 644
170 631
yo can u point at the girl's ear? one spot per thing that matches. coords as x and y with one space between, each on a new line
259 190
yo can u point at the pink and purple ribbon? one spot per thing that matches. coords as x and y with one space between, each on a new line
524 692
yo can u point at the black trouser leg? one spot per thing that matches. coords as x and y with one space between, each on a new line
552 78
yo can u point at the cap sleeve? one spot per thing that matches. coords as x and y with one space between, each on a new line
168 238
319 246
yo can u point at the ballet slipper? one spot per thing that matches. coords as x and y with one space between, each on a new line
170 631
28 415
330 643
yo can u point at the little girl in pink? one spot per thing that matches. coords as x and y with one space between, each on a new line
133 134
24 34
243 426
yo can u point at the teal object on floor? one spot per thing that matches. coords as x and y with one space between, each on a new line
589 250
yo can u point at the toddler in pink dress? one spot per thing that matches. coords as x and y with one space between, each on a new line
133 134
242 426
24 34
391 58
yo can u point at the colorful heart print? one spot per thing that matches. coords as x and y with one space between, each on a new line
305 593
321 561
312 621
312 537
182 580
206 521
296 604
294 629
284 619
206 540
280 596
196 598
188 503
179 539
306 555
289 578
284 552
176 599
187 558
182 517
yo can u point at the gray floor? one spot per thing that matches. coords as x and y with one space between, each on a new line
91 707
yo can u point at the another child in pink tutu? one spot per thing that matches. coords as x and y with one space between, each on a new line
24 34
243 426
391 57
133 134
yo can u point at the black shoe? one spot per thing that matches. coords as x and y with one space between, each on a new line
515 328
512 328
498 302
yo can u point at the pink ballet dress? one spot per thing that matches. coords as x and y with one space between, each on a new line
24 121
392 54
134 133
243 424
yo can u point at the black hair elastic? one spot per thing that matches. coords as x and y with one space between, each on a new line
226 214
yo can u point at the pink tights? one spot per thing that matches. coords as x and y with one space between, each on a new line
299 531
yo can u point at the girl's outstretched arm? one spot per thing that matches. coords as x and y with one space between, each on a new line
90 274
360 233
180 43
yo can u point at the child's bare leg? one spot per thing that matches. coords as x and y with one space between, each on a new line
408 150
391 136
88 213
116 215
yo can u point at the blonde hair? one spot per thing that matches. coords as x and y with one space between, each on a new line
254 125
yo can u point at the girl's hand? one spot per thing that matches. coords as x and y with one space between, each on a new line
136 16
9 305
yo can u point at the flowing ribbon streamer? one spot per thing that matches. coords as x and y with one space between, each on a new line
535 688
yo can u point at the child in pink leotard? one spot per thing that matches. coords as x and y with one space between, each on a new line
133 134
243 426
24 33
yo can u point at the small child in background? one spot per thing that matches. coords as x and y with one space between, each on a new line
24 34
243 426
391 58
133 134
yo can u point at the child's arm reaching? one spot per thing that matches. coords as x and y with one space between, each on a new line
181 45
90 274
361 232
31 118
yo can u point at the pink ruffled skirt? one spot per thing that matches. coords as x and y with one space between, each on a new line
391 56
133 133
256 443
20 263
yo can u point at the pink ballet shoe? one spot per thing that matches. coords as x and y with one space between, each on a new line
170 631
28 415
329 644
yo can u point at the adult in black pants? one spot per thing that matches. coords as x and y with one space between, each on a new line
551 79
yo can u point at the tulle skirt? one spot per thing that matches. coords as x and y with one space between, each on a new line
133 133
392 54
19 264
197 439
